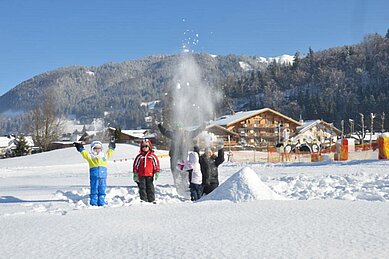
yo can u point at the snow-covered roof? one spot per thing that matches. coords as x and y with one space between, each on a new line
307 125
5 141
218 128
227 120
135 133
8 142
150 105
91 132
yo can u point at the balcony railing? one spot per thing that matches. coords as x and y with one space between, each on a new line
258 134
258 126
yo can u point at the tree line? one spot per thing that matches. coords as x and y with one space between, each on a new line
335 84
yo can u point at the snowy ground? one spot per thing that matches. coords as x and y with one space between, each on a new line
299 210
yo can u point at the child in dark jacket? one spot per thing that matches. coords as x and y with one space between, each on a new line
146 169
209 163
97 160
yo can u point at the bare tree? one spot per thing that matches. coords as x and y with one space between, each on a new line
45 124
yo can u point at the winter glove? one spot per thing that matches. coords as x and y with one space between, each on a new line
135 177
112 144
156 176
78 146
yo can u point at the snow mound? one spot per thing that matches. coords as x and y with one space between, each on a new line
244 185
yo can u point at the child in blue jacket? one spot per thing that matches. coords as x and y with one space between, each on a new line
97 160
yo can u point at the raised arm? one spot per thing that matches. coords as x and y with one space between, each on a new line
80 148
197 131
220 157
204 170
165 132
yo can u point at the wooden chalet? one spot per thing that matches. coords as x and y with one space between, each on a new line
132 136
264 127
230 138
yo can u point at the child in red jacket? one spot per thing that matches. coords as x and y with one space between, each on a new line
146 169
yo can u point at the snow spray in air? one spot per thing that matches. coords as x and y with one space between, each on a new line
193 104
194 99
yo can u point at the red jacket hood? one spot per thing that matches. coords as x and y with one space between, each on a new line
146 142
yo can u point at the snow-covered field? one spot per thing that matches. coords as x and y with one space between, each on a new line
299 210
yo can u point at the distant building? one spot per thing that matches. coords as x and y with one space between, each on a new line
317 131
264 127
132 136
8 145
5 145
230 138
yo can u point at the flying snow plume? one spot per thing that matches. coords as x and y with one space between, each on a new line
190 41
193 101
244 185
193 98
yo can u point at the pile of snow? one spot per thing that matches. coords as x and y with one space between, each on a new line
244 185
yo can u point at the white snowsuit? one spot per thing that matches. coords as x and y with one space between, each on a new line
193 164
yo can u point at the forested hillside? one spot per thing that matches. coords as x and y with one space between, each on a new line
334 84
114 89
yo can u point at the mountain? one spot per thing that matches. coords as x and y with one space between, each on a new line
120 88
334 84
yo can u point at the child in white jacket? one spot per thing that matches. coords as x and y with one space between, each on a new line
195 175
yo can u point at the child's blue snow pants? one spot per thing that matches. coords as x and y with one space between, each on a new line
98 184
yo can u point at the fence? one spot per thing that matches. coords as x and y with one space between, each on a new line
364 152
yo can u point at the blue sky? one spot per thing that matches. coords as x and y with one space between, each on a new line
39 36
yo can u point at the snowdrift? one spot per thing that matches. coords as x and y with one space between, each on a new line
243 186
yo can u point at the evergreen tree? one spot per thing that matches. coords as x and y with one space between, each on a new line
22 147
